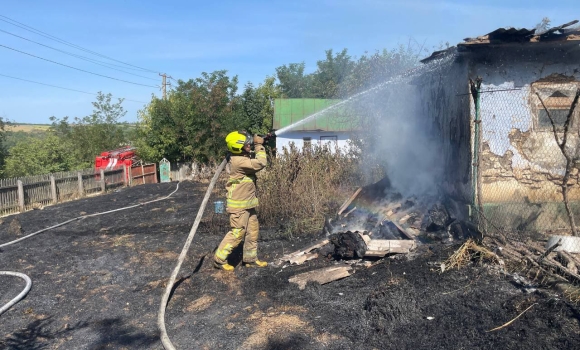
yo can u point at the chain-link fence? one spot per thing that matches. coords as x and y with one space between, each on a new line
527 160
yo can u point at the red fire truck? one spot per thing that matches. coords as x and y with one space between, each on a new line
115 159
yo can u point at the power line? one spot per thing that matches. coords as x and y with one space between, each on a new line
52 37
60 87
100 63
71 67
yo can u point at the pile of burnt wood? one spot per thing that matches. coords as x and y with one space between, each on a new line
376 221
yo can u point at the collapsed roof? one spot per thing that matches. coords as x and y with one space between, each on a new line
507 36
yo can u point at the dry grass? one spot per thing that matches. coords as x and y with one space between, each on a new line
299 189
573 295
468 252
200 304
274 325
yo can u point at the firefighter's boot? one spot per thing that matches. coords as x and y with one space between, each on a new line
225 267
256 263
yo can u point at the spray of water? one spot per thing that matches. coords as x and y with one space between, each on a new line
396 131
432 66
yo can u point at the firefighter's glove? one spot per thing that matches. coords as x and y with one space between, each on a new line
258 140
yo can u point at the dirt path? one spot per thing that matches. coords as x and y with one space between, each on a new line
97 284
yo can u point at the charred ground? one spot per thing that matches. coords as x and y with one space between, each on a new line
97 284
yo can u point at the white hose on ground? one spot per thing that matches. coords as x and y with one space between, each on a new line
161 317
87 216
19 296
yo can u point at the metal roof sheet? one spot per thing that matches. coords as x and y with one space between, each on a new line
564 32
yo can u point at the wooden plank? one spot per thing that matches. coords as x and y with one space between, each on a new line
391 209
412 232
317 245
404 219
382 247
102 182
348 201
365 238
300 259
80 180
350 211
20 196
385 244
322 276
382 253
53 189
401 229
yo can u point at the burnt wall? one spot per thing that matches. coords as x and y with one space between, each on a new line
520 159
444 99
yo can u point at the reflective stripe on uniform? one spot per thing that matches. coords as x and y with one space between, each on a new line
223 253
240 181
242 204
236 232
250 253
261 154
235 182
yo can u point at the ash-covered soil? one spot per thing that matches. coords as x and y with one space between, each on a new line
97 284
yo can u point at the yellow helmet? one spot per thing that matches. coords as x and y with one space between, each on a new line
236 141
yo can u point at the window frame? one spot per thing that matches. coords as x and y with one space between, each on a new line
330 140
547 90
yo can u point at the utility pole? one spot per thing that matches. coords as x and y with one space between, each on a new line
164 84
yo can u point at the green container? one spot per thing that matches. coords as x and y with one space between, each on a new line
165 170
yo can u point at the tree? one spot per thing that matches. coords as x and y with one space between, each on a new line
194 120
331 73
37 156
371 70
90 135
293 82
258 105
571 153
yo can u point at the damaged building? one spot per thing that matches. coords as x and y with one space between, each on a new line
498 133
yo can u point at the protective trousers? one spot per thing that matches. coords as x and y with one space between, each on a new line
244 224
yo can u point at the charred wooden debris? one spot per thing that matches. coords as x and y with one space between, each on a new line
377 222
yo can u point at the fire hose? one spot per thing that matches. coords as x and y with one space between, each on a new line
161 316
27 279
19 296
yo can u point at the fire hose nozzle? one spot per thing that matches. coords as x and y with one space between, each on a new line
269 136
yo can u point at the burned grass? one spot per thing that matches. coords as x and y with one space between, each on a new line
98 289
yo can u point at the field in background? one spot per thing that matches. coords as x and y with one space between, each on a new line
27 127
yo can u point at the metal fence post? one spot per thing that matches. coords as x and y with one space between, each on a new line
103 183
20 195
81 189
53 189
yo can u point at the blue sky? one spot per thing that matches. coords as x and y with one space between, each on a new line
249 38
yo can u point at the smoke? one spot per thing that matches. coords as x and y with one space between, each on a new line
395 129
398 134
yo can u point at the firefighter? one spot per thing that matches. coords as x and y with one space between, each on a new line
242 200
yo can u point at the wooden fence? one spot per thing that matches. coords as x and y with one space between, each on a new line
33 192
